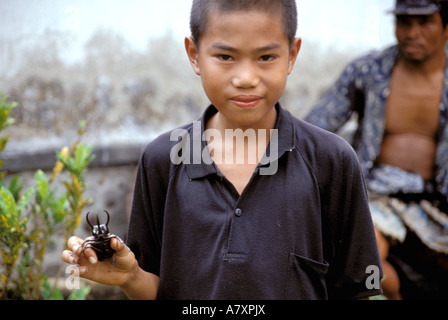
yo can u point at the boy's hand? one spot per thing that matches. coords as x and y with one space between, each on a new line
90 268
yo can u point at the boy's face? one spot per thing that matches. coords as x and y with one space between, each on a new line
244 59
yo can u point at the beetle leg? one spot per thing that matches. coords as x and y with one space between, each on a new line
84 248
121 241
113 257
86 244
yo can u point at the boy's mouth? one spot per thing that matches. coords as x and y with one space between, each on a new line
246 101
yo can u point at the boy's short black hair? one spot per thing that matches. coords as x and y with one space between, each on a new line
201 8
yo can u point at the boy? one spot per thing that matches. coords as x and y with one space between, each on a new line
209 222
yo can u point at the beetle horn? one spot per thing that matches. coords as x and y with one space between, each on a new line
108 217
88 221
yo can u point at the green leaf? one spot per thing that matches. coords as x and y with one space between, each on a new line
8 205
24 200
5 110
48 294
3 142
15 186
60 208
82 124
56 295
42 184
80 294
83 156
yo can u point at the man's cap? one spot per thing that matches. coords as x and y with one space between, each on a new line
416 7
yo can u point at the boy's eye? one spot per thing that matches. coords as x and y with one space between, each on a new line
267 58
224 57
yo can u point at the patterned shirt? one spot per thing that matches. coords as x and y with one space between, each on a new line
363 88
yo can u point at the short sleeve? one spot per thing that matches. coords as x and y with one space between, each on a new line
354 246
145 229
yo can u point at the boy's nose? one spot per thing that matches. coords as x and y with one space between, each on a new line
246 77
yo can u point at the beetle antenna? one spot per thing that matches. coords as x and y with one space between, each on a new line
108 217
88 221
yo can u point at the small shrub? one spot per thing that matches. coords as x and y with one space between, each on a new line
29 218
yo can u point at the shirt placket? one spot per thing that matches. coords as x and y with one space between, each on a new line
237 238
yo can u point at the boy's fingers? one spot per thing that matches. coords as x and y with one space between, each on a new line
74 242
69 257
91 255
119 246
74 245
75 252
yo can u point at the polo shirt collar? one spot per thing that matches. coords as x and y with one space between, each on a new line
286 142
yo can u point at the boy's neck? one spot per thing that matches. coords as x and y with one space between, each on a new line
250 142
221 123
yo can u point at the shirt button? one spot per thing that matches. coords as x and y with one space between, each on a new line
238 212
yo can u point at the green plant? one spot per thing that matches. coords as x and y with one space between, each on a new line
29 218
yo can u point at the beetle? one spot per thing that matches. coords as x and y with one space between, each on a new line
100 240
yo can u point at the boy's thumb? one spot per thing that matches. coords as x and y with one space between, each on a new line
119 246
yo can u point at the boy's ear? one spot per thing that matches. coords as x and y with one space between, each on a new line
193 54
295 49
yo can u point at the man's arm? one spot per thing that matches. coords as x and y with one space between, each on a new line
335 107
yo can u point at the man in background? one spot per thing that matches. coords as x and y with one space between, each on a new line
400 97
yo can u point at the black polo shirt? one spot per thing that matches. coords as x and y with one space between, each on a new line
303 233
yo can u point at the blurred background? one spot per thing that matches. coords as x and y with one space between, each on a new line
64 60
122 64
